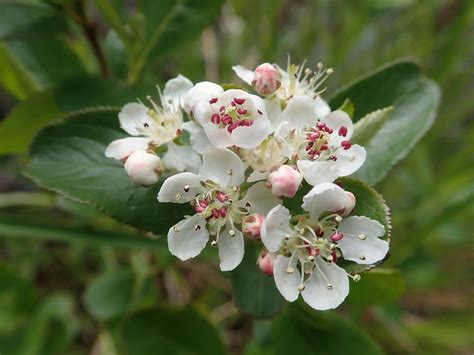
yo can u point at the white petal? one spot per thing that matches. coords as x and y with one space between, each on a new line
197 137
120 149
249 137
349 161
338 119
223 167
321 108
143 168
257 176
244 73
318 293
175 91
180 188
317 172
366 250
326 197
231 249
260 198
274 112
133 116
188 238
275 228
181 158
219 137
202 91
299 113
286 283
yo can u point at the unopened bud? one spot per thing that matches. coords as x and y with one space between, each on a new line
266 79
265 262
252 224
143 168
285 181
350 204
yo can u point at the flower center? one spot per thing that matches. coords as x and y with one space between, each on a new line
231 116
317 145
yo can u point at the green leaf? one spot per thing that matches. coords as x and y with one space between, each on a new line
348 107
164 331
110 295
25 120
378 286
254 292
79 94
368 203
415 100
314 332
68 158
22 19
368 126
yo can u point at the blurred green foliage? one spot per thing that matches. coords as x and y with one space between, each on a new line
65 289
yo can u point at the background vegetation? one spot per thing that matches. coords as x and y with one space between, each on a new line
74 281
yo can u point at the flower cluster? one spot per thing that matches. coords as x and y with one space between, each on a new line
234 155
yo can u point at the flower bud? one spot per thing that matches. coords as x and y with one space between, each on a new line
266 79
143 168
251 225
265 262
285 181
350 204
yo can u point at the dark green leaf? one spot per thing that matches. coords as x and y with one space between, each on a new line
163 331
304 331
378 286
367 127
69 158
22 19
254 292
415 100
110 295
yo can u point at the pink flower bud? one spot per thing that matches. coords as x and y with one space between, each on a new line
251 225
285 181
350 204
265 262
143 168
266 79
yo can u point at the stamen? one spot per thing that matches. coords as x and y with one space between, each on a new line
361 236
239 101
213 100
176 229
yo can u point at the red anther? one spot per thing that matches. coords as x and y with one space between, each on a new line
239 101
260 112
315 135
346 145
242 111
321 125
222 197
233 104
199 209
223 212
324 147
309 147
227 119
231 127
342 131
215 213
248 123
337 237
203 203
319 232
329 130
222 109
213 100
333 158
316 252
334 256
215 118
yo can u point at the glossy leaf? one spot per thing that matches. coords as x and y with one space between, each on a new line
415 100
319 333
254 292
68 158
164 331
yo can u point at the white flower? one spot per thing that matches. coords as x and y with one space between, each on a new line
143 168
322 148
287 84
310 249
215 195
234 118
